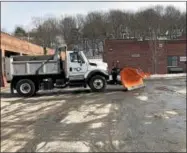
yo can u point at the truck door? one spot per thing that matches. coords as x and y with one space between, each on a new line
77 66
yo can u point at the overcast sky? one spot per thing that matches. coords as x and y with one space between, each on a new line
21 13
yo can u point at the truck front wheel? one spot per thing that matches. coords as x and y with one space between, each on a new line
97 83
26 88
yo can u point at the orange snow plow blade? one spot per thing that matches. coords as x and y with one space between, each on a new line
132 78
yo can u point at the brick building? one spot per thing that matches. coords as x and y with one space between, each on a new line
166 56
12 46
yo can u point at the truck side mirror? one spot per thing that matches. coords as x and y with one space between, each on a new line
79 61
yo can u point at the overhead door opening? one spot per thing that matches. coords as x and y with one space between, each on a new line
9 54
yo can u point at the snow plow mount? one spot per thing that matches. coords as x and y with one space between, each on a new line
130 78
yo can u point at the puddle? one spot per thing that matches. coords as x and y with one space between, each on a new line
163 88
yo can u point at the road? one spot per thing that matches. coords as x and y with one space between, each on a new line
147 119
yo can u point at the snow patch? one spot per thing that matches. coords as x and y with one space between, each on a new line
91 113
148 123
171 112
56 146
157 76
148 116
182 91
100 144
96 125
143 98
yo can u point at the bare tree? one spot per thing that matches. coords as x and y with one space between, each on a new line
95 30
182 23
171 18
45 31
20 32
116 19
67 28
89 31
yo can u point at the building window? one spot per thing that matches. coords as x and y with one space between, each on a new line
172 61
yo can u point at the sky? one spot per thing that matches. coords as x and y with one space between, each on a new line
21 13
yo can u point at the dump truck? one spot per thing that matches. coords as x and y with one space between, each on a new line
29 74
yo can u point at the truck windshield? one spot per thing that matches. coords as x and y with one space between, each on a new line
83 56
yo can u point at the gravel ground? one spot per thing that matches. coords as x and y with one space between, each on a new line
152 118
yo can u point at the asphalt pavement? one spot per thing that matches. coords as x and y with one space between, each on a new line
149 119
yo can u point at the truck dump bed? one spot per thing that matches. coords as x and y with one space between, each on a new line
32 58
31 65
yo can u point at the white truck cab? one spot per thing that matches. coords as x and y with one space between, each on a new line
79 67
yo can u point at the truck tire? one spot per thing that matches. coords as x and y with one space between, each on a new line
97 83
26 88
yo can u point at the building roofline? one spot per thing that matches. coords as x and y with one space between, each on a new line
131 41
21 39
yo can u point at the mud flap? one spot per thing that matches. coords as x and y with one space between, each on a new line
11 88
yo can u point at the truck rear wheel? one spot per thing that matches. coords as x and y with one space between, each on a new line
97 83
26 88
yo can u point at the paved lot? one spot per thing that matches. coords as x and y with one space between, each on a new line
148 119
